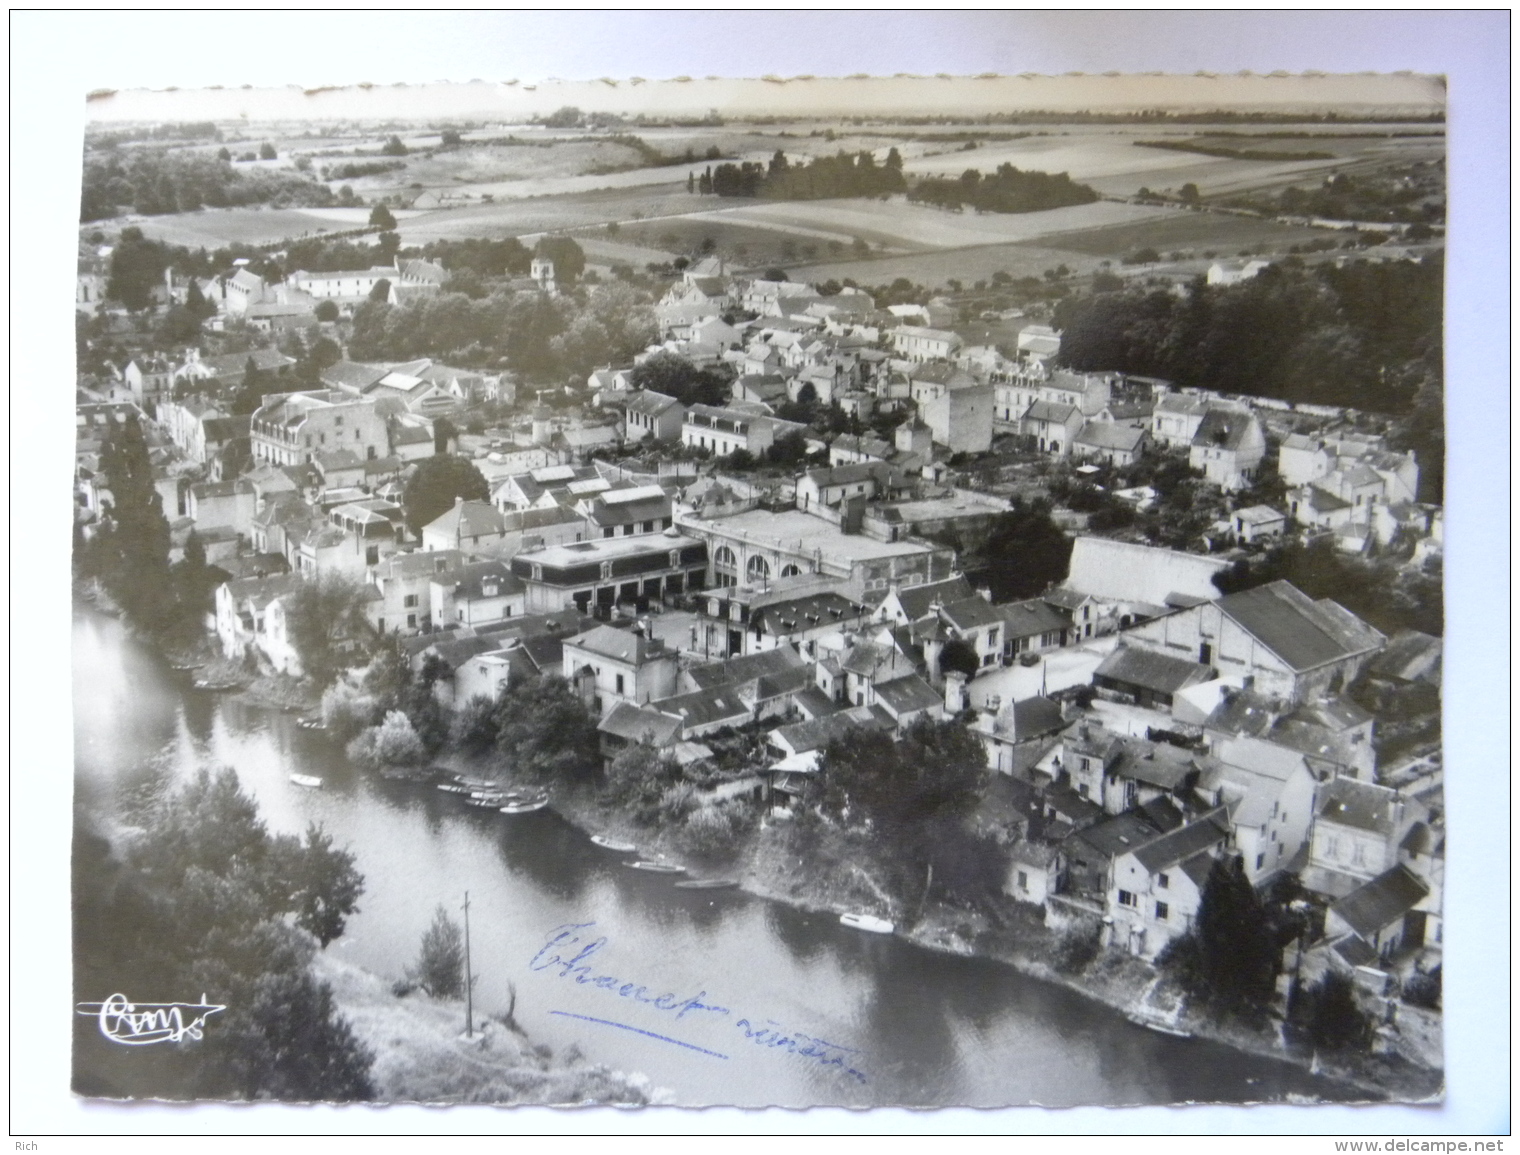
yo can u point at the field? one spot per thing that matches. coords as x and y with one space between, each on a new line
213 228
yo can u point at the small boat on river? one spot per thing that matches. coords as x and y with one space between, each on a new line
866 922
483 803
310 723
613 844
216 687
477 783
1153 1019
307 780
525 805
652 867
453 788
707 884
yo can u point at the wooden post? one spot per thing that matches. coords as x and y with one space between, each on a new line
469 983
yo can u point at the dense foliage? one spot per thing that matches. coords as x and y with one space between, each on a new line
151 181
544 731
1414 194
1020 554
1367 335
843 175
435 483
1228 960
326 626
201 898
677 377
1385 594
1008 190
440 960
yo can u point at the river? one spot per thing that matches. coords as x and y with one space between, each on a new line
768 1005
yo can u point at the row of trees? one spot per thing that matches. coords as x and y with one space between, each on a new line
201 897
1008 190
154 181
540 337
1367 335
844 175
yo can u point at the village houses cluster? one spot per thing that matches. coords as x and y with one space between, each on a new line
1141 725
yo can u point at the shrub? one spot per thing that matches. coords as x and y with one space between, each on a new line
1336 1022
1078 946
392 743
347 710
707 833
440 964
1424 990
474 728
678 801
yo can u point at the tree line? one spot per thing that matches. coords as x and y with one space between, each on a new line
1367 335
844 175
153 181
1008 190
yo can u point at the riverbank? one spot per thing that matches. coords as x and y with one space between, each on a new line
820 874
422 1055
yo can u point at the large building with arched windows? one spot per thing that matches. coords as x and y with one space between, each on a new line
759 546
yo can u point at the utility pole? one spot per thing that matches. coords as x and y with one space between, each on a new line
469 978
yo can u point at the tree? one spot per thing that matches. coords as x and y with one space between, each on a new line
960 656
381 217
1228 961
327 311
568 257
392 743
224 154
440 963
325 884
545 730
677 377
449 138
196 304
130 552
325 622
381 293
267 151
434 486
566 117
1188 193
202 856
1336 1023
137 268
393 147
1022 554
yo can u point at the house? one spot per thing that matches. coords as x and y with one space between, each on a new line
1293 647
1052 426
1110 442
149 378
350 286
798 610
723 431
848 449
405 584
227 371
1176 417
1382 912
652 416
232 504
1356 834
292 428
1228 447
1269 792
978 623
1157 888
1257 522
907 699
476 594
800 739
607 666
1031 627
906 604
1038 343
629 725
960 418
917 343
639 509
1234 272
240 606
829 488
469 525
1034 871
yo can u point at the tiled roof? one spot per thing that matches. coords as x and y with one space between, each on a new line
625 645
1183 843
1223 428
969 613
1151 670
1389 896
907 695
1050 411
641 725
1030 618
705 707
1348 802
1303 633
916 600
1110 435
748 668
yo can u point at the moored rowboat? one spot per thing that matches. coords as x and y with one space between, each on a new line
306 780
525 806
613 844
707 884
1155 1021
866 922
656 867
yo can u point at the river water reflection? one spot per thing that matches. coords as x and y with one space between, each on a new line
808 1012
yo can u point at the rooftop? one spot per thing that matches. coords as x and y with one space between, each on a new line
1303 633
1389 896
803 533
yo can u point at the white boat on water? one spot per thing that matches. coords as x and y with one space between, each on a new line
306 780
613 844
525 806
1159 1021
866 922
652 867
